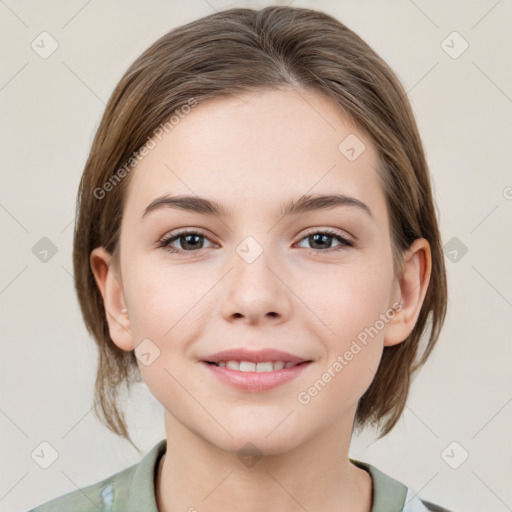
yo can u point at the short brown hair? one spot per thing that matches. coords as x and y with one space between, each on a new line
244 50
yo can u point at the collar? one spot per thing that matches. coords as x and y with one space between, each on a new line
135 486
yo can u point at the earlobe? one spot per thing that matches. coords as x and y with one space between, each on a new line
111 289
412 286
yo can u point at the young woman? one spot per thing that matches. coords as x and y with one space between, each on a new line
257 240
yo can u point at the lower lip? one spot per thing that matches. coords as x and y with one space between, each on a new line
256 381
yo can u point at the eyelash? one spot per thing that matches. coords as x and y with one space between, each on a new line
164 243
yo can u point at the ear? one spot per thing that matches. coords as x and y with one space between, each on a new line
412 288
111 288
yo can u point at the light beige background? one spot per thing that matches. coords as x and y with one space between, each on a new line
50 109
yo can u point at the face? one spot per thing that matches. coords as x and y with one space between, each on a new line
309 282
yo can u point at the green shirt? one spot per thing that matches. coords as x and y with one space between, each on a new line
133 490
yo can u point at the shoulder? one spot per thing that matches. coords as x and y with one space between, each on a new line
94 497
87 499
125 490
393 496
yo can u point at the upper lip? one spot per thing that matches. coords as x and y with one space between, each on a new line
259 356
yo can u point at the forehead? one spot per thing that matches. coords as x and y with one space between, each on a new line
257 150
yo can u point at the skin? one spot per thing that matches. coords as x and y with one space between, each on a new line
252 154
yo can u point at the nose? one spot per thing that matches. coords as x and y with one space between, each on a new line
255 291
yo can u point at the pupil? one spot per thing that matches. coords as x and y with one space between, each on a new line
188 237
315 237
318 238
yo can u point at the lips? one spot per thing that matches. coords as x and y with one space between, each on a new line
260 356
255 381
255 371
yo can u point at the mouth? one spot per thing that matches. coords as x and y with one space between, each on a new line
251 377
260 367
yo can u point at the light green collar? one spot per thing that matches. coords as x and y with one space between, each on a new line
135 486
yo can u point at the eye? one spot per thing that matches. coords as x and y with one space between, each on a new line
321 238
190 242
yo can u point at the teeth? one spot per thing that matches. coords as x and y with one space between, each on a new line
247 366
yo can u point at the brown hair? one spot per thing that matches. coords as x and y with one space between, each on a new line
243 50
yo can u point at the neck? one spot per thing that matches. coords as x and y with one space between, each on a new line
316 475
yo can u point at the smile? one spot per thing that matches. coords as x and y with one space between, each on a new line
255 377
248 366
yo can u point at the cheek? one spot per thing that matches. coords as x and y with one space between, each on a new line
164 299
165 305
351 313
352 335
347 299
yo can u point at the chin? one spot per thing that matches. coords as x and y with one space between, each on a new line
257 440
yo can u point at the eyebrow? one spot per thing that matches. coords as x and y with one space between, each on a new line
304 204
